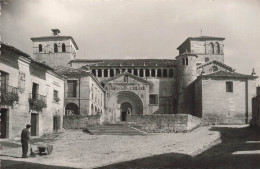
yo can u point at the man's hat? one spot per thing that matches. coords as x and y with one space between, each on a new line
28 126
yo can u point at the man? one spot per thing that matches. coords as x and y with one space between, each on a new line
25 136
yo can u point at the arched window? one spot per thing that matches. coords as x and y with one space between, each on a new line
135 72
170 72
164 72
141 73
211 48
159 73
94 72
105 73
117 71
217 48
147 72
187 61
63 48
111 72
153 73
55 48
99 73
40 47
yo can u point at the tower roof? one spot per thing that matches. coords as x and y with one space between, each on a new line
201 38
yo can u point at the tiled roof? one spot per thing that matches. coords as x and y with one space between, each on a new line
217 63
66 70
229 75
201 38
21 53
15 50
56 37
128 62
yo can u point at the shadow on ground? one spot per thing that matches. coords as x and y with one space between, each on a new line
235 151
10 164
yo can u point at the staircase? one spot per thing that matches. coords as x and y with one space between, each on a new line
114 129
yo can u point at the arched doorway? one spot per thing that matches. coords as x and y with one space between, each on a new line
126 109
120 102
71 109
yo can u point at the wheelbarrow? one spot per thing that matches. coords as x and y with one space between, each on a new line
42 150
45 150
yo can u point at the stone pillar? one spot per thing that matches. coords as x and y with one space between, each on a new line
102 72
150 72
155 72
138 72
108 72
114 72
120 71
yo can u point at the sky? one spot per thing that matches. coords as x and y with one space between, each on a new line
132 29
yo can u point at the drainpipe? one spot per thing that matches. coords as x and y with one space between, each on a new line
246 120
79 93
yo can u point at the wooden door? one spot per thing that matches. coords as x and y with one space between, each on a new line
3 123
34 122
56 123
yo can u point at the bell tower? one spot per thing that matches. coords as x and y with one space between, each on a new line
54 50
207 48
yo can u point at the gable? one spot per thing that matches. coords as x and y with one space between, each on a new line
213 66
125 78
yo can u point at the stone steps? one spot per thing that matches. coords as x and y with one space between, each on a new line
114 129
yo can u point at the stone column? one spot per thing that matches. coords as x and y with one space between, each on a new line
108 72
150 72
102 72
114 72
155 72
138 72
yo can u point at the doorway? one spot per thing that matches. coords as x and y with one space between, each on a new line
4 123
56 123
34 124
126 108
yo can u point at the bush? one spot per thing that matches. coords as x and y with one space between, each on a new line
37 105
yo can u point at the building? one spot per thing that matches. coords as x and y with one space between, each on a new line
196 82
256 109
31 92
83 93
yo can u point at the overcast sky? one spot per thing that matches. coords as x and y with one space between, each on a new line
120 29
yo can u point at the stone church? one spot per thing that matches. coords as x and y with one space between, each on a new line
195 82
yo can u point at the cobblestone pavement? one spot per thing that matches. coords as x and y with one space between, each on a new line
76 149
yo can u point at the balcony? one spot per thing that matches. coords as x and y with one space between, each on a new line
8 95
37 102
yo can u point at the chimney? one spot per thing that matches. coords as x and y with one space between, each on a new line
55 32
253 72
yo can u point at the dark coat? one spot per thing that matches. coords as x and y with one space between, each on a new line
25 135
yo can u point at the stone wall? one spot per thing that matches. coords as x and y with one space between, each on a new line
80 122
221 107
164 123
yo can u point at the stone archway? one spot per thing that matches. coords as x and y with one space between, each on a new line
72 109
119 100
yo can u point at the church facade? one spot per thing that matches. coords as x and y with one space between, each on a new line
195 82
